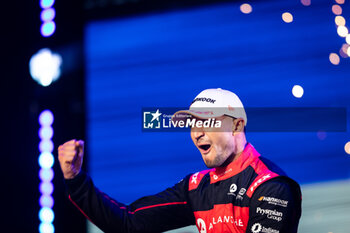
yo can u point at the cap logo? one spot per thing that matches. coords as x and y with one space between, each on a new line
203 99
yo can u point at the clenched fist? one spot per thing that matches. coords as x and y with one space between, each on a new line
70 156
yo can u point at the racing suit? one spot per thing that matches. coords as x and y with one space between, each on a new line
249 195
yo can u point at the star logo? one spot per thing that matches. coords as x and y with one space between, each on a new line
151 119
155 115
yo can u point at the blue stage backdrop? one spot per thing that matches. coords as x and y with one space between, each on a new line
166 59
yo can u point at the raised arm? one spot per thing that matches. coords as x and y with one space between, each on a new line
157 213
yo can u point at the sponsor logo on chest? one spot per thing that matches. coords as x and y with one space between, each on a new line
219 220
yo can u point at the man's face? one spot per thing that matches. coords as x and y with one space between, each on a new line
216 146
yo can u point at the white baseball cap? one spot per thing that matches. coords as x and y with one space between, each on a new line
212 103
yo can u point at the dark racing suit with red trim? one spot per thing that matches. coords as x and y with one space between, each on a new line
249 195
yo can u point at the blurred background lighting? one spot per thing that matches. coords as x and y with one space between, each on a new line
48 14
287 17
46 188
46 215
46 132
348 51
334 58
48 28
340 1
336 9
46 145
46 174
45 227
46 160
298 91
347 147
246 8
342 31
339 20
344 50
306 2
46 3
45 67
46 201
46 118
347 39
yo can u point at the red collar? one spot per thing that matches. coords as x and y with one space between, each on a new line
248 155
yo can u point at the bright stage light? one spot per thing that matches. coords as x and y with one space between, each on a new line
46 145
46 188
48 28
48 14
46 201
347 148
339 20
306 2
46 215
287 17
298 91
45 227
340 1
46 174
46 160
46 118
337 10
246 8
343 50
342 31
347 39
46 132
46 3
45 67
334 58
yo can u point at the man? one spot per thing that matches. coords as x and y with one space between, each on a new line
242 192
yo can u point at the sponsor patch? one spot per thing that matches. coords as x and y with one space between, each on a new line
274 201
271 214
257 228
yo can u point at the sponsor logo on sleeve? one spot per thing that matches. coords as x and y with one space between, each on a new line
241 193
271 214
274 201
258 182
257 228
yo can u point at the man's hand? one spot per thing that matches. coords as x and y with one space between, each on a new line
70 156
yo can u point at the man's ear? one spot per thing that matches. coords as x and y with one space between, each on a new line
238 125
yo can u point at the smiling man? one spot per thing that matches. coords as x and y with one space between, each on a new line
242 192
